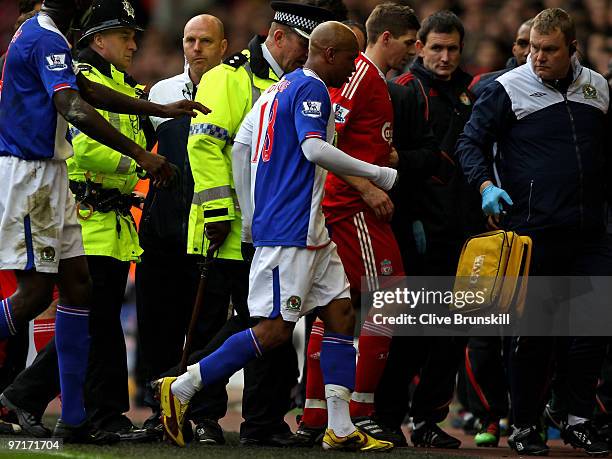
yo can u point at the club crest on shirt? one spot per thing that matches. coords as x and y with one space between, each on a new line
340 113
589 92
56 62
47 254
294 303
386 267
311 108
465 99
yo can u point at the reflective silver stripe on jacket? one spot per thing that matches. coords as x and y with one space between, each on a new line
124 165
212 194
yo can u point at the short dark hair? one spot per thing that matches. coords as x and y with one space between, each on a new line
555 18
397 19
25 6
441 22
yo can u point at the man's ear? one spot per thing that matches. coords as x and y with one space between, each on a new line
98 40
330 55
279 36
385 37
419 45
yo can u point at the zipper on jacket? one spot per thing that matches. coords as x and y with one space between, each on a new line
529 202
579 159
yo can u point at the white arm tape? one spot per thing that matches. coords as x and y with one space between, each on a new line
334 160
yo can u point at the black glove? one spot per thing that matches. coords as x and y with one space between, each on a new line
217 232
247 250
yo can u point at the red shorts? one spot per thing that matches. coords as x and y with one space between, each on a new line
8 283
367 248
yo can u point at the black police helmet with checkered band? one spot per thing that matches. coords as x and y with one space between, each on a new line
302 18
109 14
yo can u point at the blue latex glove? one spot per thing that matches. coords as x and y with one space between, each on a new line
492 197
419 237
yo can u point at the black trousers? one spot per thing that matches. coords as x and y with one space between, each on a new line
106 384
486 377
604 389
532 359
15 356
436 361
268 380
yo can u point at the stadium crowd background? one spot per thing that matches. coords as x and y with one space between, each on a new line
489 25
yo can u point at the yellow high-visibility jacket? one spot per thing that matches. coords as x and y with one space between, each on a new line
229 90
108 233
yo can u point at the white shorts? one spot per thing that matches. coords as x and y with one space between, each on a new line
38 223
292 281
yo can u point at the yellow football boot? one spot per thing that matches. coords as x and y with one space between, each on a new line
357 441
173 411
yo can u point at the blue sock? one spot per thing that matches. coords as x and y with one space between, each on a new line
7 323
234 354
72 343
338 360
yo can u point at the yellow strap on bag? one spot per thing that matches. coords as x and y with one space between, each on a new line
496 264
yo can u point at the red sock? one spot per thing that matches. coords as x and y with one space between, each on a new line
374 343
315 408
44 330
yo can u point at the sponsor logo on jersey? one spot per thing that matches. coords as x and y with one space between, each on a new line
56 62
537 94
340 113
589 92
386 267
311 108
387 132
294 303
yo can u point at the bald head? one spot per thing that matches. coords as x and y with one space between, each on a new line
204 44
332 53
207 21
334 35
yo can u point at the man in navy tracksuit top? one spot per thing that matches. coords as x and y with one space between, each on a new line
549 119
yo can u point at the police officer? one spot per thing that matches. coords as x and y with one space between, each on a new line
163 236
230 91
102 181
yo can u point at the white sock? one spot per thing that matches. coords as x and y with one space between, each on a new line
338 415
573 420
187 384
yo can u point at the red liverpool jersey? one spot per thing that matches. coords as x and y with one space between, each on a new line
364 123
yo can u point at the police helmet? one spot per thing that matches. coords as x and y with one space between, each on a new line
109 14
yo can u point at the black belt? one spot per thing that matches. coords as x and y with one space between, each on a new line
94 197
